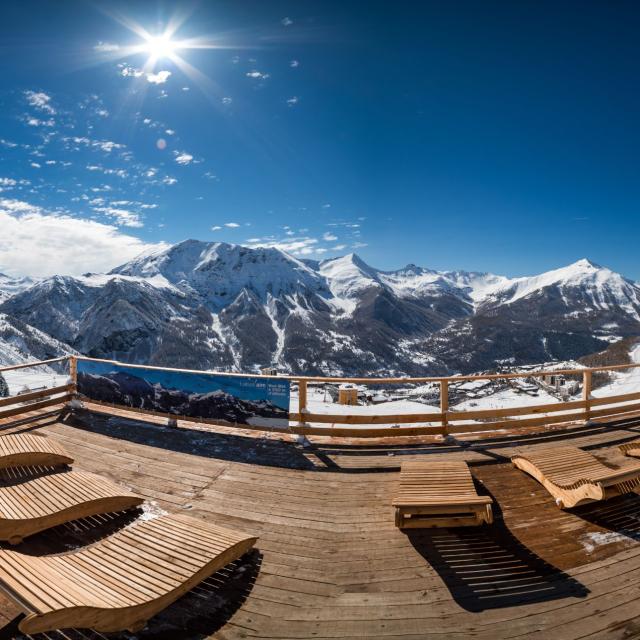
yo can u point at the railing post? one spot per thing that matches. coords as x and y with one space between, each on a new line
302 400
73 371
586 393
444 403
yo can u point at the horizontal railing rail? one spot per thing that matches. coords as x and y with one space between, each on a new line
445 420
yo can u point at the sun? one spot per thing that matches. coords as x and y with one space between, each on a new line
161 46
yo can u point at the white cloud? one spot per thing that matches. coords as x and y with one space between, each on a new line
216 228
182 157
123 217
286 21
170 132
41 101
329 237
7 182
294 63
231 225
257 75
106 47
158 78
35 165
339 247
359 245
300 246
129 72
36 122
227 100
39 243
291 102
169 180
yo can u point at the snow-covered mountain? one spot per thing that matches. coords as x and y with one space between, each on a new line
20 343
216 305
10 286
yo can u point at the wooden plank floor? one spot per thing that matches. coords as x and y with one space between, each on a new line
330 562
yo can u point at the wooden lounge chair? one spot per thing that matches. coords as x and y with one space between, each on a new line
42 502
28 450
119 582
439 494
573 476
631 449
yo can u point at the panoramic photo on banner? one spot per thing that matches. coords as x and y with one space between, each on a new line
234 399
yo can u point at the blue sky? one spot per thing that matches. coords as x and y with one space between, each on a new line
488 136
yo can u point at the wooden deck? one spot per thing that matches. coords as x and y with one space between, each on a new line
331 564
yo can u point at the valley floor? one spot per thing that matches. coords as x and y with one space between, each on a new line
329 561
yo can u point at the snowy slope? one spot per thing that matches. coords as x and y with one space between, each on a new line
21 343
217 305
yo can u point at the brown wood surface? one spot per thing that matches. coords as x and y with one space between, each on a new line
333 565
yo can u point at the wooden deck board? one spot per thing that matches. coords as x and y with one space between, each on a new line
333 564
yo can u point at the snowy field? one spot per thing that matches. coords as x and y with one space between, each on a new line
33 379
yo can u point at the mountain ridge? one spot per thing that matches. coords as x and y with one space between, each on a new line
215 305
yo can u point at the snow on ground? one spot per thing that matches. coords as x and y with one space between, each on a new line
596 539
625 381
33 379
505 399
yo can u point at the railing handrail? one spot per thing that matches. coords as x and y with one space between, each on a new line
39 363
444 420
402 380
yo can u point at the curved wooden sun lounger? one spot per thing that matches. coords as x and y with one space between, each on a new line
42 502
122 581
631 449
573 476
28 450
439 494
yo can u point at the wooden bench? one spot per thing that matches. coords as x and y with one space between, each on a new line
573 476
119 582
38 503
439 494
28 450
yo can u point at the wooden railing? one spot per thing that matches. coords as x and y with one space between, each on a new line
447 420
42 398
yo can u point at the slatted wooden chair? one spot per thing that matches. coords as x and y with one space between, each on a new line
38 503
631 449
119 582
573 476
28 450
439 494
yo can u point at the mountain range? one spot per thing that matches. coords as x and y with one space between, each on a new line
221 306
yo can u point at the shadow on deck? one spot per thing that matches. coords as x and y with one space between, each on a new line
488 568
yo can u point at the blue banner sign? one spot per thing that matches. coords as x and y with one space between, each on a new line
227 399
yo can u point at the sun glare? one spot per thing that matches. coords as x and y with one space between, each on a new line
161 46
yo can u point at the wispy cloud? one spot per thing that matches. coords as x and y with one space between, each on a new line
294 63
36 122
182 157
123 217
286 21
257 75
293 101
40 101
40 243
231 225
329 237
217 227
106 47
